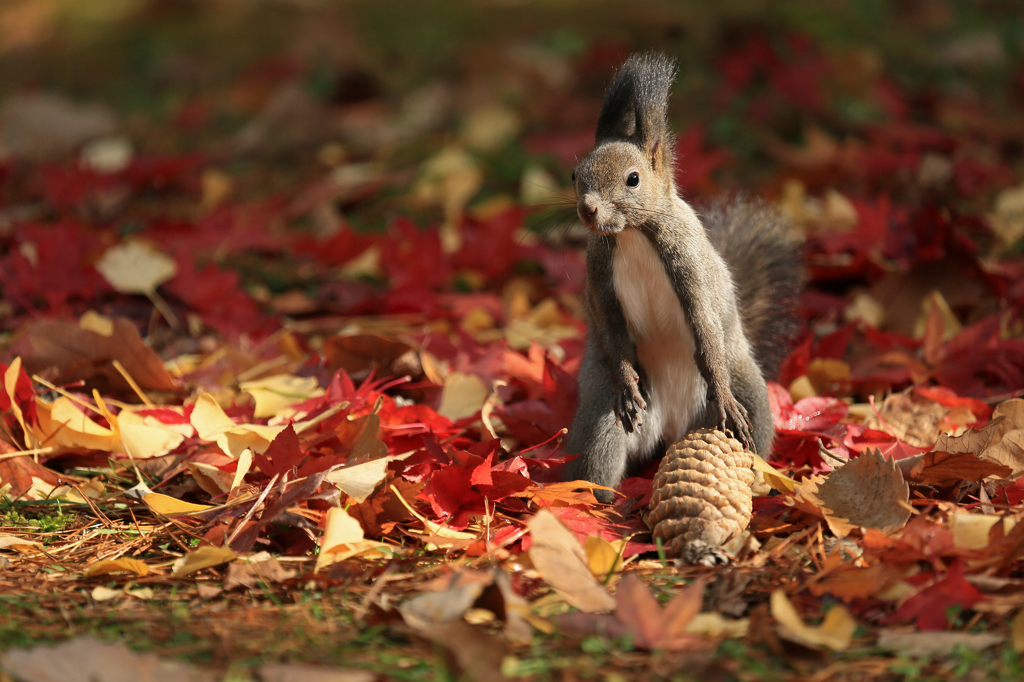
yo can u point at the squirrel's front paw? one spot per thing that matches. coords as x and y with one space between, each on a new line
630 404
732 414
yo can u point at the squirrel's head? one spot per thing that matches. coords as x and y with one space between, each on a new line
625 181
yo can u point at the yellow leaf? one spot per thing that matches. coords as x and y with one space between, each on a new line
211 479
201 558
211 423
136 267
117 565
835 632
62 423
18 544
170 506
10 386
94 322
273 395
463 396
104 593
343 539
774 477
244 464
359 481
970 531
144 437
603 557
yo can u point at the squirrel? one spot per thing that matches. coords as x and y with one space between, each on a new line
685 317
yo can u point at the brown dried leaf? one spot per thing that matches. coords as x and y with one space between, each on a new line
943 468
1008 451
359 353
921 644
75 354
852 582
298 672
260 568
561 561
86 659
868 492
972 440
910 417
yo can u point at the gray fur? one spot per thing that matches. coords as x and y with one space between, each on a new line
718 315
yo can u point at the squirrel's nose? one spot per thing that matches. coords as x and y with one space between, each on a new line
587 211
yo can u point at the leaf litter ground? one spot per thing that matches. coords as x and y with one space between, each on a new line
253 418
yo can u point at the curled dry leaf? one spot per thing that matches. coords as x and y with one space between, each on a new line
558 557
867 492
835 632
343 538
1007 443
260 568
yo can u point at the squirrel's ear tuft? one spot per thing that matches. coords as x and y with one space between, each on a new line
636 106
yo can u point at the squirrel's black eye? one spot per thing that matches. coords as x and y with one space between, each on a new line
574 176
633 179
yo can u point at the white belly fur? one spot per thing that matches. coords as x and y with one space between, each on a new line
664 341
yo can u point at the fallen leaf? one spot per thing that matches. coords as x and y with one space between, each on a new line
86 659
171 506
123 564
360 480
970 531
257 569
136 267
925 644
206 556
558 557
275 394
866 492
343 538
944 469
603 557
19 544
835 632
463 396
211 423
77 354
104 593
299 672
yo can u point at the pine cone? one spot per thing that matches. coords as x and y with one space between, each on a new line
702 495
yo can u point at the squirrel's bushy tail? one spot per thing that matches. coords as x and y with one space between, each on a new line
767 270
